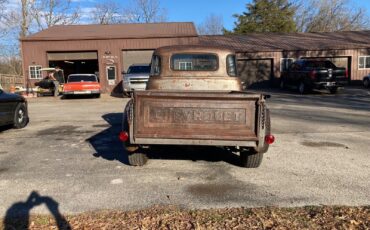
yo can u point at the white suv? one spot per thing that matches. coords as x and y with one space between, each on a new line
135 78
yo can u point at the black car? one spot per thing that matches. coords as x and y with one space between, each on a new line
314 74
13 110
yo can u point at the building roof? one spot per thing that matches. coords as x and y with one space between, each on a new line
116 31
264 42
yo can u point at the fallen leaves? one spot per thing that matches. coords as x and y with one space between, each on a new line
311 217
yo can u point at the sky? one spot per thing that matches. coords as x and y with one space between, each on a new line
188 11
197 10
177 11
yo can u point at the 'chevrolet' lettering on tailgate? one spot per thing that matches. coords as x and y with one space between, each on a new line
196 115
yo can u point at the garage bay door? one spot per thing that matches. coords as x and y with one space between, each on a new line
75 62
136 57
254 72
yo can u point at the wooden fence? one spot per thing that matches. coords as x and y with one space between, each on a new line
6 81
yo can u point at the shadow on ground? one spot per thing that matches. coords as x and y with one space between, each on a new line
5 128
109 147
17 216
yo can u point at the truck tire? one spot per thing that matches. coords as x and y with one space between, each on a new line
366 83
302 88
250 160
333 90
135 154
20 116
282 83
137 158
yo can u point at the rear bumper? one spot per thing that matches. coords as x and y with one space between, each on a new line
128 87
81 92
329 84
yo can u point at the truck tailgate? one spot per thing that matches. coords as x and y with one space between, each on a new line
198 116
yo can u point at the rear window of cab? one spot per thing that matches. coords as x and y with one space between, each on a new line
194 62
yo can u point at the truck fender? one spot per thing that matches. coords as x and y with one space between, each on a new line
264 126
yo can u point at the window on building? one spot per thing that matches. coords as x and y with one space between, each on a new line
285 63
364 62
35 72
185 66
111 72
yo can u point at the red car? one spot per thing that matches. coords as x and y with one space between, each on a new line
82 84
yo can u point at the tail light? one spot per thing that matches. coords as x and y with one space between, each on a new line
312 74
346 73
269 139
123 136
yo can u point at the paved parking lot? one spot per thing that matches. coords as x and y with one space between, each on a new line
70 153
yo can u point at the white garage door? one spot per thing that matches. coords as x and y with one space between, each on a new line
136 57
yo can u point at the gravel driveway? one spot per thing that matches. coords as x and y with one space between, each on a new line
70 153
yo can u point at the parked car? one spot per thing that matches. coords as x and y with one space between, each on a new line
82 84
309 74
366 81
135 78
194 97
13 110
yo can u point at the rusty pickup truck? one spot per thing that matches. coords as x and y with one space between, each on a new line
194 97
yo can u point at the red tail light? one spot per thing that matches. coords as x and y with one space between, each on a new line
123 136
346 73
269 139
312 74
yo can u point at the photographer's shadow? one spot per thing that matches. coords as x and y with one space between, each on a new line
17 216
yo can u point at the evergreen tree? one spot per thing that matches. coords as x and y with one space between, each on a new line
266 16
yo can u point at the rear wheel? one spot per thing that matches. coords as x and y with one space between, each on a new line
333 90
366 83
250 159
136 155
282 83
20 116
302 88
137 158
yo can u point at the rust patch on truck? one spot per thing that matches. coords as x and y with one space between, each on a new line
188 115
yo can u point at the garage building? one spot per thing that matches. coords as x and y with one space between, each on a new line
107 50
263 56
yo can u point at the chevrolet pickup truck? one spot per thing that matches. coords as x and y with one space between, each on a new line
194 97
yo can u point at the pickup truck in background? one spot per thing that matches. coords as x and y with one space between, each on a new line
194 97
307 74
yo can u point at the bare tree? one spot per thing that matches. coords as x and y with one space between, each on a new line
329 15
106 13
47 13
212 25
144 11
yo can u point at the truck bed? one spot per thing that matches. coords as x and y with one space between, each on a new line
196 118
